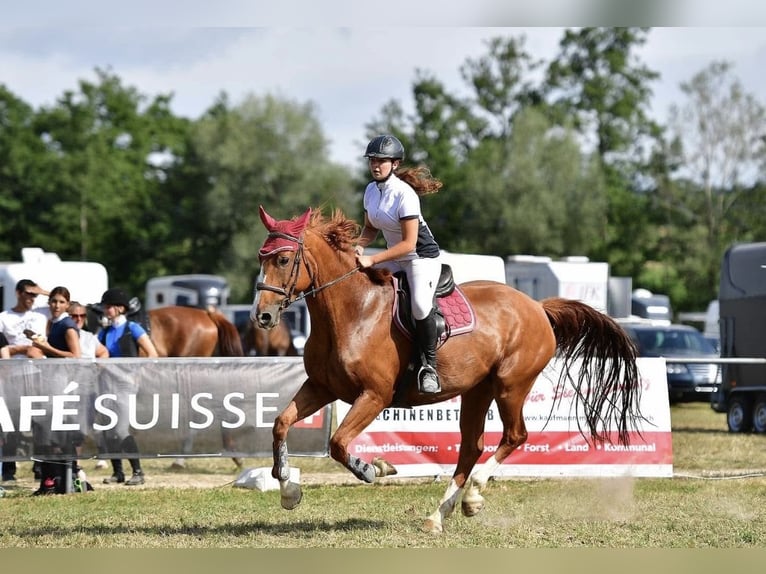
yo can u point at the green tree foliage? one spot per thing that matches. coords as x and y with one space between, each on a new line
597 83
24 179
557 158
536 193
106 146
265 151
710 197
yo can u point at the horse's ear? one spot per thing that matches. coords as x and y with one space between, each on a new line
304 219
267 220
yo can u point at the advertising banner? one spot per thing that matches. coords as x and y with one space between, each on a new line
172 407
425 441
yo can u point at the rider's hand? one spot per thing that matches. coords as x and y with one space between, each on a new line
364 261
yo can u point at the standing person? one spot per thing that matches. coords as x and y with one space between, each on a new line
90 346
61 340
123 338
62 336
392 205
23 316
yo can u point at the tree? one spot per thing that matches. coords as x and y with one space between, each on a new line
265 151
597 83
721 129
24 178
106 148
536 194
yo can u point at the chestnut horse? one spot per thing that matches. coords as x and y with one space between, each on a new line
356 354
179 331
276 342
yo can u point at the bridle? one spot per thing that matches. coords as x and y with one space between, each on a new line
293 279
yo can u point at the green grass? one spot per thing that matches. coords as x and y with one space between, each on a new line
716 500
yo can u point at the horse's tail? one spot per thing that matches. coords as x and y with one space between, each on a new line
608 387
229 342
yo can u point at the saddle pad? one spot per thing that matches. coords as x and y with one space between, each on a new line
457 311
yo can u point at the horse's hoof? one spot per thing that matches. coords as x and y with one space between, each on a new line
432 527
291 495
383 467
473 506
362 470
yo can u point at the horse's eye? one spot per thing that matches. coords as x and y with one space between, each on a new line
283 260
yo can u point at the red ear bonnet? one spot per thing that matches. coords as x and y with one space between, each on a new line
283 235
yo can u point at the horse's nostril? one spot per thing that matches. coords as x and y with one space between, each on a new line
264 319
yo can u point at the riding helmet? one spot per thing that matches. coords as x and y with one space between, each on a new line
386 147
115 296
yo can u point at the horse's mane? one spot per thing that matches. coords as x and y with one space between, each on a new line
341 234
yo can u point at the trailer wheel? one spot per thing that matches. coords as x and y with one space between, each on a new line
759 414
739 417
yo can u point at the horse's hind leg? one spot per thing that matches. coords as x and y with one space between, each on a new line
510 405
473 410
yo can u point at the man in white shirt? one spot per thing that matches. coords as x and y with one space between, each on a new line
13 322
21 319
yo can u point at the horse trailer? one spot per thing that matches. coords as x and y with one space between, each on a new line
742 324
193 290
571 277
86 280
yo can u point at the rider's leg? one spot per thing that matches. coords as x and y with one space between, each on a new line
428 378
423 275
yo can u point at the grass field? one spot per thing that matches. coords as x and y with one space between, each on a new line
717 499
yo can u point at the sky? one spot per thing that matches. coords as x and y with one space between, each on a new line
348 64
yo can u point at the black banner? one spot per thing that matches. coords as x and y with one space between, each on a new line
171 407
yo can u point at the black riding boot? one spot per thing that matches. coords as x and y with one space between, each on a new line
428 379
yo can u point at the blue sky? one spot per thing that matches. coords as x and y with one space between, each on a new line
349 73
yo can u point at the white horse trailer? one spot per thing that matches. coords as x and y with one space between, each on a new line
85 280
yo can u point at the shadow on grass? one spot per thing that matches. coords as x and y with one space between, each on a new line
231 529
698 430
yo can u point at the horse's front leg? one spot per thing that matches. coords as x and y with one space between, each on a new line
308 400
364 410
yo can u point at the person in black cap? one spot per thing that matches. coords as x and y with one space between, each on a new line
123 338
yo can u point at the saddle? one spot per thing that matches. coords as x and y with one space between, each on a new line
454 313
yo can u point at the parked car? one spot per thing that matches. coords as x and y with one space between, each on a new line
686 381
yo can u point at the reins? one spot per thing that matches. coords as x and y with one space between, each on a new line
288 294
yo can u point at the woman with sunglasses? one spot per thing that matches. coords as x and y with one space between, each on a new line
90 346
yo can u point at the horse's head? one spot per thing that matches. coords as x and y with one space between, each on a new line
282 275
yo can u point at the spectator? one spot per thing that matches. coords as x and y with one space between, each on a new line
13 322
23 317
123 338
57 449
62 336
90 348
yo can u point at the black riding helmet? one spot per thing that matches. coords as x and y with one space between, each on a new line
115 296
385 147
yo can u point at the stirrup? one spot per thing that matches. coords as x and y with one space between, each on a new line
428 380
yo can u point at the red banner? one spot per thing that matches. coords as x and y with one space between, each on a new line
425 441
